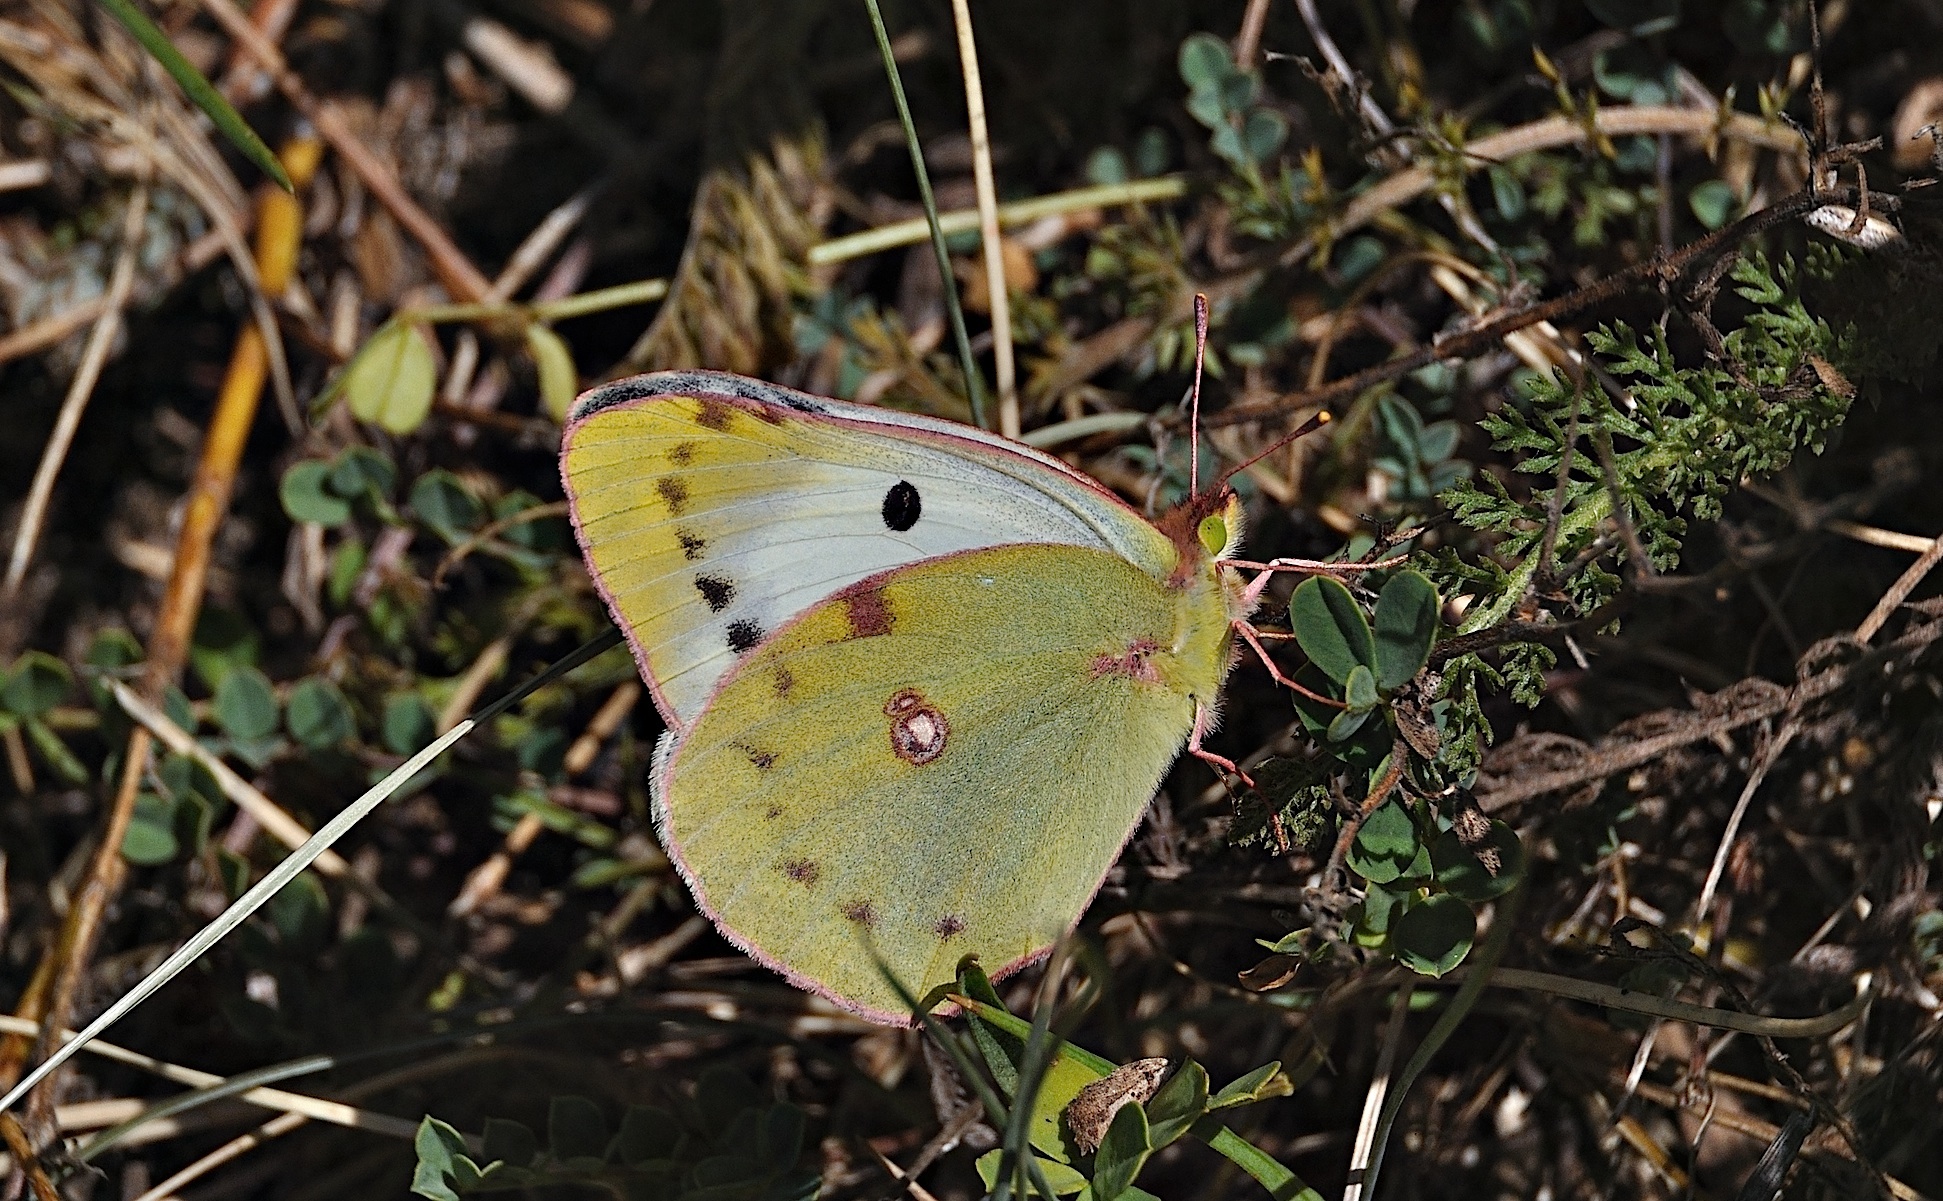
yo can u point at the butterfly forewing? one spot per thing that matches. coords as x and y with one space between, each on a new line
713 509
943 760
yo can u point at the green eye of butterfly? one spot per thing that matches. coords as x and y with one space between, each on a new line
1214 534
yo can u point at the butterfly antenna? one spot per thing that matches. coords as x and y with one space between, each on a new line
1194 404
1308 427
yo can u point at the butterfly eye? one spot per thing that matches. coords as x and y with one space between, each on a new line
1213 534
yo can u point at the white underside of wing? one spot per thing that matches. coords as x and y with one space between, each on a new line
798 506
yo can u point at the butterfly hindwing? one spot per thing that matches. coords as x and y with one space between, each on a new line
713 509
945 759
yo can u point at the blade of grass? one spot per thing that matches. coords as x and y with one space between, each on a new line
974 382
200 91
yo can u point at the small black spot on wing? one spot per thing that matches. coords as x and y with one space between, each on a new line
744 636
758 758
861 912
902 506
693 546
716 591
674 493
948 926
681 453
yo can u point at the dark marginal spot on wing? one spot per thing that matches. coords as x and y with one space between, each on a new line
902 506
803 871
674 492
692 545
869 613
744 636
713 414
784 681
948 926
717 591
681 453
861 912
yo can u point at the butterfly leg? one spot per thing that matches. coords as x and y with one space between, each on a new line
1249 636
1221 763
1267 571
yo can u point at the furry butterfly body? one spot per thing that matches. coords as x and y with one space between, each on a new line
920 682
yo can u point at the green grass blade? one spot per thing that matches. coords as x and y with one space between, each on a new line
199 90
974 383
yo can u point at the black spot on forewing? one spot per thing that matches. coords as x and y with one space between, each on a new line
744 636
674 493
902 506
680 453
758 758
803 871
716 591
693 545
784 682
861 912
948 926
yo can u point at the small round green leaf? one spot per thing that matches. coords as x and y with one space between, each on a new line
1331 628
1381 905
1386 845
391 380
1263 133
317 714
55 752
1713 202
1345 724
114 648
559 380
408 723
35 683
1406 628
361 471
512 1142
1434 935
151 832
1205 62
300 911
306 495
1507 193
1359 691
246 705
442 502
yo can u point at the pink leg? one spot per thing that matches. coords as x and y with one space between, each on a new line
1218 762
1267 572
1249 636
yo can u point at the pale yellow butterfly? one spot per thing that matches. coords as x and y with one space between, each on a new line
920 681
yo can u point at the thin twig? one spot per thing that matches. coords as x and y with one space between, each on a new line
1763 763
1003 369
1899 591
